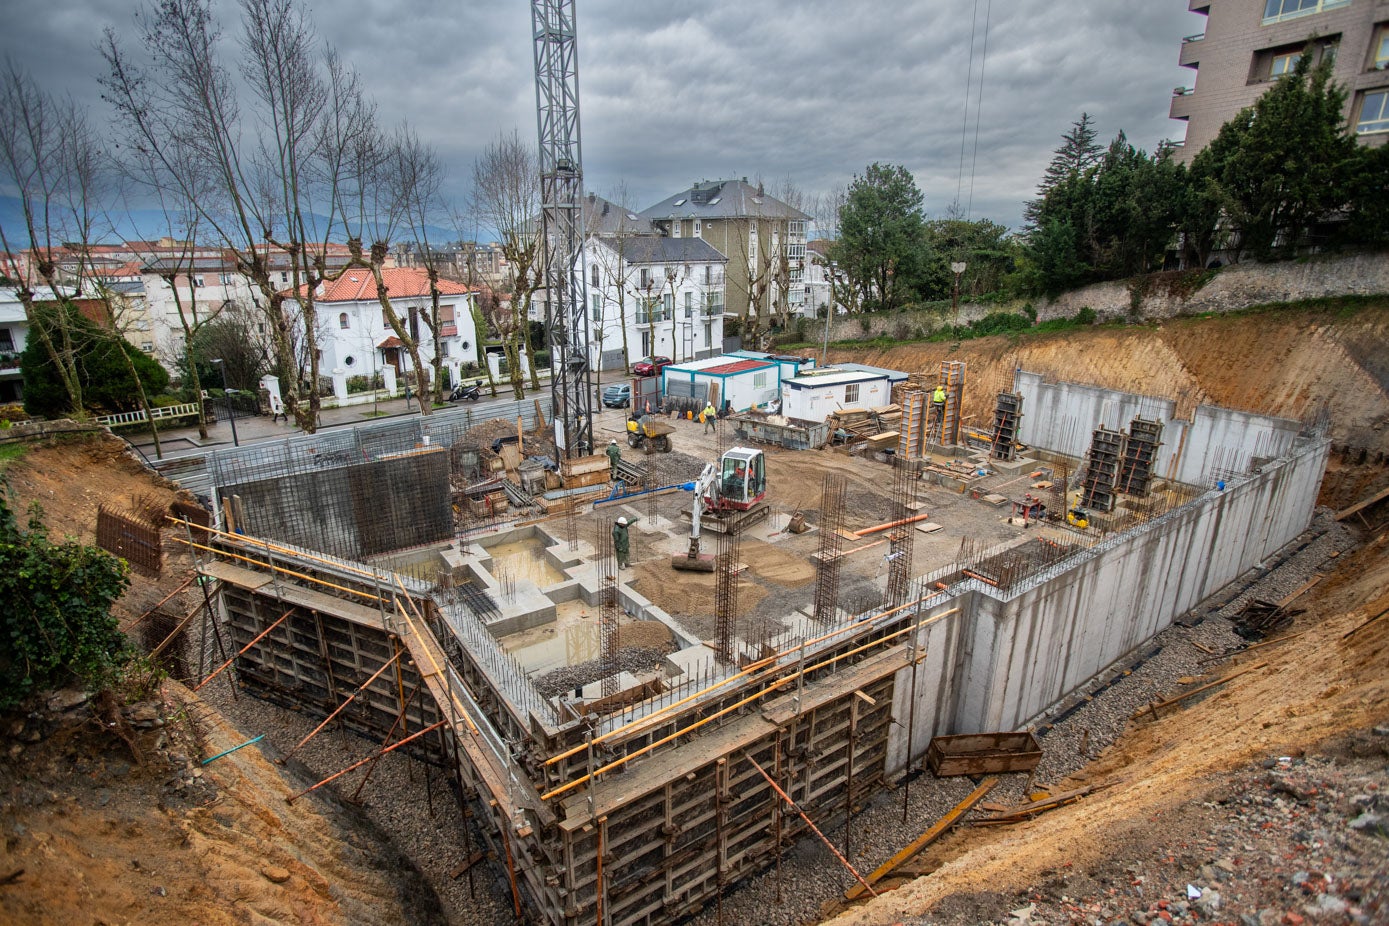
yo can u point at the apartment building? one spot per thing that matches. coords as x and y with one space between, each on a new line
1249 44
763 238
667 293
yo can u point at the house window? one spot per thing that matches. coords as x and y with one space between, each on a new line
198 280
708 335
343 323
759 380
669 305
224 278
689 304
349 360
1374 113
147 347
645 278
284 276
698 228
6 341
1381 47
593 275
1284 64
596 302
1280 10
851 394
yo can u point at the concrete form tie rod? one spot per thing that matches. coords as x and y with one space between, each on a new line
771 687
801 813
243 649
341 707
376 755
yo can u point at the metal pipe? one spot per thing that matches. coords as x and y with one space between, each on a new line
842 860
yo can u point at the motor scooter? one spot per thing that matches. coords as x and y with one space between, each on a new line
469 392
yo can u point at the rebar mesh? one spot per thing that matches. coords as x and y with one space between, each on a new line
827 559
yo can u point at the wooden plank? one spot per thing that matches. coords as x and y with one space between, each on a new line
1298 592
1362 505
1153 708
938 829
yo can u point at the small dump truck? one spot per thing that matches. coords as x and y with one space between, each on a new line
649 434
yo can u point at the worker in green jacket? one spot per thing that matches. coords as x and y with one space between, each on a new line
622 543
614 453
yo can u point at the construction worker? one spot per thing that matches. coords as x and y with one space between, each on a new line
614 453
938 402
710 415
621 543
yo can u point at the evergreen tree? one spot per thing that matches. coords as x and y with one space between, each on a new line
1076 154
882 247
105 375
1283 164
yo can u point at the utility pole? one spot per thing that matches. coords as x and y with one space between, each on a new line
561 247
957 268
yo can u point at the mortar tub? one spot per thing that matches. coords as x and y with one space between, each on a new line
983 754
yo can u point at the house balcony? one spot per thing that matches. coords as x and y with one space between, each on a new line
1183 103
9 362
647 319
1190 55
448 330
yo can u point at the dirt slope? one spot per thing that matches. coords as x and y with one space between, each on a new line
1292 363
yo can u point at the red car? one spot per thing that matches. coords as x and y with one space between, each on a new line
650 366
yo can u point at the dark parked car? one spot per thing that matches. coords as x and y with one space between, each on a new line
618 395
650 366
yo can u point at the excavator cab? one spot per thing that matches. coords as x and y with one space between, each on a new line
742 480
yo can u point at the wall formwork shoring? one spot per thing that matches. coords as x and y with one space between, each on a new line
667 793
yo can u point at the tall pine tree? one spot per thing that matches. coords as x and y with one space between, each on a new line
1077 153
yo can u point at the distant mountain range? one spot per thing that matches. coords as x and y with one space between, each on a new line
146 225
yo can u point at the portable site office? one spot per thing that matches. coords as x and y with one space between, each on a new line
743 383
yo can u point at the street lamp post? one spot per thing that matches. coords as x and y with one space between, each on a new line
226 399
957 268
829 314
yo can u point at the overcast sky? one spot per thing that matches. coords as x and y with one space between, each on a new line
674 92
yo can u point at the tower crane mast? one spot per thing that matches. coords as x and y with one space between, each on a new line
561 232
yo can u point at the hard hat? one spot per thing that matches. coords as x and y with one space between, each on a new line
613 441
622 521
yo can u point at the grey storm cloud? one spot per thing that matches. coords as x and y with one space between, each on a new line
810 92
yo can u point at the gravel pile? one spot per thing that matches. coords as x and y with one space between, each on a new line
634 659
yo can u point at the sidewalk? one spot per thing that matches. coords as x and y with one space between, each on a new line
254 429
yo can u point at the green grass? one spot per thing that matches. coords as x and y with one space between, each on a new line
10 452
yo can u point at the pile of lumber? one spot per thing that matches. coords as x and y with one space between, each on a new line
869 422
999 814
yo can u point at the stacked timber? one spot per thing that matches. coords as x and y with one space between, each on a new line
888 417
585 471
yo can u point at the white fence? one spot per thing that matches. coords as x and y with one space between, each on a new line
159 414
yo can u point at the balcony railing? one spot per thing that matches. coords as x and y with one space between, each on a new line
1183 91
1193 38
650 318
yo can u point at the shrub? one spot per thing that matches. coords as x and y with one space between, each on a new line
65 628
1086 316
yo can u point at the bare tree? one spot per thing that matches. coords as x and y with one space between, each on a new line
419 176
610 261
44 145
675 274
506 197
264 175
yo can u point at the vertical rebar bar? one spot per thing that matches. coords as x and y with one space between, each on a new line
726 594
608 612
901 540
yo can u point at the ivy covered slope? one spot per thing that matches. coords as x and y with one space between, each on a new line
56 626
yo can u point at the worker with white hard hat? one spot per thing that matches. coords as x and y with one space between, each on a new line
621 544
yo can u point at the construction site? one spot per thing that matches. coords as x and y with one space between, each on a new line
636 741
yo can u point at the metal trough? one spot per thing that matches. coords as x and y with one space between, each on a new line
983 754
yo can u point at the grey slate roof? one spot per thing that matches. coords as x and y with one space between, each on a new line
722 199
653 249
605 218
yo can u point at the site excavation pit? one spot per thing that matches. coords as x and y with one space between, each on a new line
618 731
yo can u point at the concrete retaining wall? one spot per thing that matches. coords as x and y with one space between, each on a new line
1004 658
1159 295
1061 417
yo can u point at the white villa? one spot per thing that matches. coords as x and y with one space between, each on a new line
667 292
